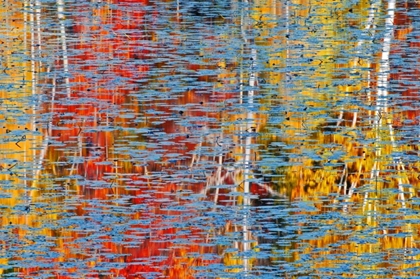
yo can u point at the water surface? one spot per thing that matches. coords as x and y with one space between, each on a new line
209 139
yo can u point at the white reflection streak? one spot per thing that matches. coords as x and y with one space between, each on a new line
38 29
369 26
61 18
382 95
33 77
25 45
250 121
38 162
25 17
248 141
384 64
219 180
247 164
244 22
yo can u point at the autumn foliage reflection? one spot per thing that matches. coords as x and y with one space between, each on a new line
161 238
130 161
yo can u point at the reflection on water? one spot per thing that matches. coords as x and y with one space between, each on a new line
209 139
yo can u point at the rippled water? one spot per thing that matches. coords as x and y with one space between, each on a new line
209 139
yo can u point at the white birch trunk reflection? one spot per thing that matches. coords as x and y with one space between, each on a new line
384 63
250 118
63 37
38 30
34 79
382 95
25 44
369 30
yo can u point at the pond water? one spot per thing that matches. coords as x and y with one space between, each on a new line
209 139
